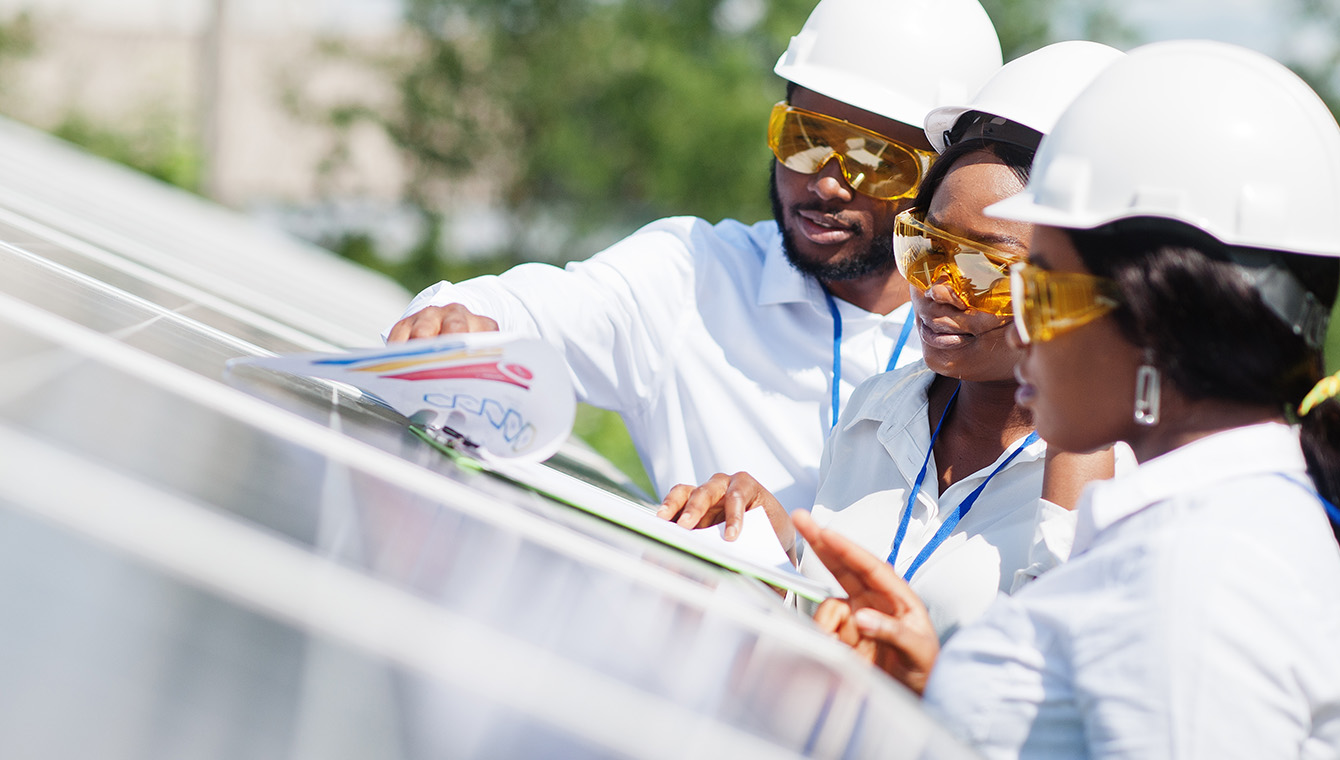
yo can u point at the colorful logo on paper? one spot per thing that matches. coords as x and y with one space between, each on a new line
511 396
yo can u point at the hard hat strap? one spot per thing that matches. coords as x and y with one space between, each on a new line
1283 294
981 126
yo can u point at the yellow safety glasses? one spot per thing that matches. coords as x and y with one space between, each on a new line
872 164
977 273
1047 304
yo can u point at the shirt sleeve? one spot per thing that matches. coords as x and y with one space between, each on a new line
1053 537
615 317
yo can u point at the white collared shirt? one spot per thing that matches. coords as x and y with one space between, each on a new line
868 469
1198 617
715 351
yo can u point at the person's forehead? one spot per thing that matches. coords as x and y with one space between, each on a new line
908 134
974 182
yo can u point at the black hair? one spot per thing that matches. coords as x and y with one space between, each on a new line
1018 159
1210 333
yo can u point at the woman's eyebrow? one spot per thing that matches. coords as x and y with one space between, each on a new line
994 239
1003 240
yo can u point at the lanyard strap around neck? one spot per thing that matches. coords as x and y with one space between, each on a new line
1332 511
837 352
953 518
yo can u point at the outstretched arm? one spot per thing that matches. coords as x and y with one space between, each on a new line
440 320
616 317
882 618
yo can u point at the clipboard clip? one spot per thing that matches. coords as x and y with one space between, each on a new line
454 440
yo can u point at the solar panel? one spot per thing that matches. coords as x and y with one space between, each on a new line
192 240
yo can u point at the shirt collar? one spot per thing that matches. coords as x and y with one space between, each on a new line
901 398
900 406
782 283
1267 448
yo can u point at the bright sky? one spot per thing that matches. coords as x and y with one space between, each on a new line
1264 25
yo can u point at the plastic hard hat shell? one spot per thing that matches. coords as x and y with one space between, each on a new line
1031 90
895 58
1209 134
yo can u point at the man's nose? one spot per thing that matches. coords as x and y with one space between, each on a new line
829 182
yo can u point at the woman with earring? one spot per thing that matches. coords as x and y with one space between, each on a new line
936 466
1175 298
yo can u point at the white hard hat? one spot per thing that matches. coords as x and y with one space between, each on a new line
895 58
1031 90
1209 134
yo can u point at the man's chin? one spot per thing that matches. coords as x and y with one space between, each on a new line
843 265
852 262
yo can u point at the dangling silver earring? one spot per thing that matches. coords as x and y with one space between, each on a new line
1147 392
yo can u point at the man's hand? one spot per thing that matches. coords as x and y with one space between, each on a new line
882 618
725 498
440 320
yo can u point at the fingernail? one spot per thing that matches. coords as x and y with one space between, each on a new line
731 532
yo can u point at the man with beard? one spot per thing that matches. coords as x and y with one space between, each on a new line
730 347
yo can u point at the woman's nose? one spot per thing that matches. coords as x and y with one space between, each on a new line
942 290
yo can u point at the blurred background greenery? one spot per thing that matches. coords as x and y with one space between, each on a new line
558 126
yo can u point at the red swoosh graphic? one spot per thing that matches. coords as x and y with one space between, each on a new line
487 371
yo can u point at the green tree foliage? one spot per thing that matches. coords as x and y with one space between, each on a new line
1022 25
157 145
583 119
18 37
1318 64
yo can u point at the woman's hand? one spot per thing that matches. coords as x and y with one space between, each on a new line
725 498
881 618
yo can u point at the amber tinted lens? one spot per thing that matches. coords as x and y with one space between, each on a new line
872 165
1023 309
977 274
1048 304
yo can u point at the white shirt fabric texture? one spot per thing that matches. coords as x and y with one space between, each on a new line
1198 617
1009 536
714 350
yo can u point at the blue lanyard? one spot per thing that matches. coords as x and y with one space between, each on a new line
837 351
1332 511
952 520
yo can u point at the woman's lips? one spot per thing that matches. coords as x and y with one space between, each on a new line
1025 393
941 335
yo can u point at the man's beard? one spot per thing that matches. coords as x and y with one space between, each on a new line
874 259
